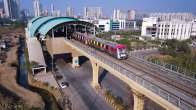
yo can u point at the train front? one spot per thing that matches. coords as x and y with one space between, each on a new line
121 51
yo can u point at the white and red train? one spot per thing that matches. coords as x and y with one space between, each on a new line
116 50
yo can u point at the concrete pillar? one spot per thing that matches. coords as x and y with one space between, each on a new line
85 29
75 62
94 31
138 101
75 28
95 82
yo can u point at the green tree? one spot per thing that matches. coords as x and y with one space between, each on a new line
173 47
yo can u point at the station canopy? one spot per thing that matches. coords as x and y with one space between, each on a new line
43 25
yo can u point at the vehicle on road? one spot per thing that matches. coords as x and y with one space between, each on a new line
64 84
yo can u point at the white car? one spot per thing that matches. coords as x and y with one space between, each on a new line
64 84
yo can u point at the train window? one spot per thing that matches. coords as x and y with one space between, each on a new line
106 46
91 42
101 45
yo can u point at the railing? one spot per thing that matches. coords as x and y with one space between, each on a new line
170 97
167 66
189 81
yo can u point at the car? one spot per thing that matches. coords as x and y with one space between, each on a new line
64 84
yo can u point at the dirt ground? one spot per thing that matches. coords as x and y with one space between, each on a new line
8 80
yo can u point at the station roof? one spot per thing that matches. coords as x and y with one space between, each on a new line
43 25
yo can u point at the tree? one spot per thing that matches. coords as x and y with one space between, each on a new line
173 47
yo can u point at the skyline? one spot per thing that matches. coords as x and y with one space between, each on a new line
140 5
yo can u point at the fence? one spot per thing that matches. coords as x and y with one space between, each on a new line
165 65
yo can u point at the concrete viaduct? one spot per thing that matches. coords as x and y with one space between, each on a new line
44 29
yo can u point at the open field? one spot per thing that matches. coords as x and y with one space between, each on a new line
8 80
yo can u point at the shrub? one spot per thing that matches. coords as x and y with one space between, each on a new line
34 64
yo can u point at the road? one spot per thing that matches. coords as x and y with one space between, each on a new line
81 93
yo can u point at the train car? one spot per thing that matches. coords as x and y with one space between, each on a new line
114 49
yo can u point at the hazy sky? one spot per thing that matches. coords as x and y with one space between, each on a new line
109 5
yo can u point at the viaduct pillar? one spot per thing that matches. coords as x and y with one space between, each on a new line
138 100
95 81
75 62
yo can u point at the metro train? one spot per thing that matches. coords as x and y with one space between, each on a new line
114 49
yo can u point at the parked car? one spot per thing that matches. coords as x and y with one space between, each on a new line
64 84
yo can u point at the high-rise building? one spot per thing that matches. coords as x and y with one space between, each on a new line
52 9
154 28
173 16
24 15
7 8
93 12
37 8
69 12
131 14
193 30
1 9
1 13
57 13
12 8
45 12
1 4
118 14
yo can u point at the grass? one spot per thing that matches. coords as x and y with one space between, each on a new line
183 61
10 29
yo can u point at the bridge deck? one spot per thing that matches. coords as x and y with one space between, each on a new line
165 85
168 84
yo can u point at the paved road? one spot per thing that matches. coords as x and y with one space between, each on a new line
83 96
